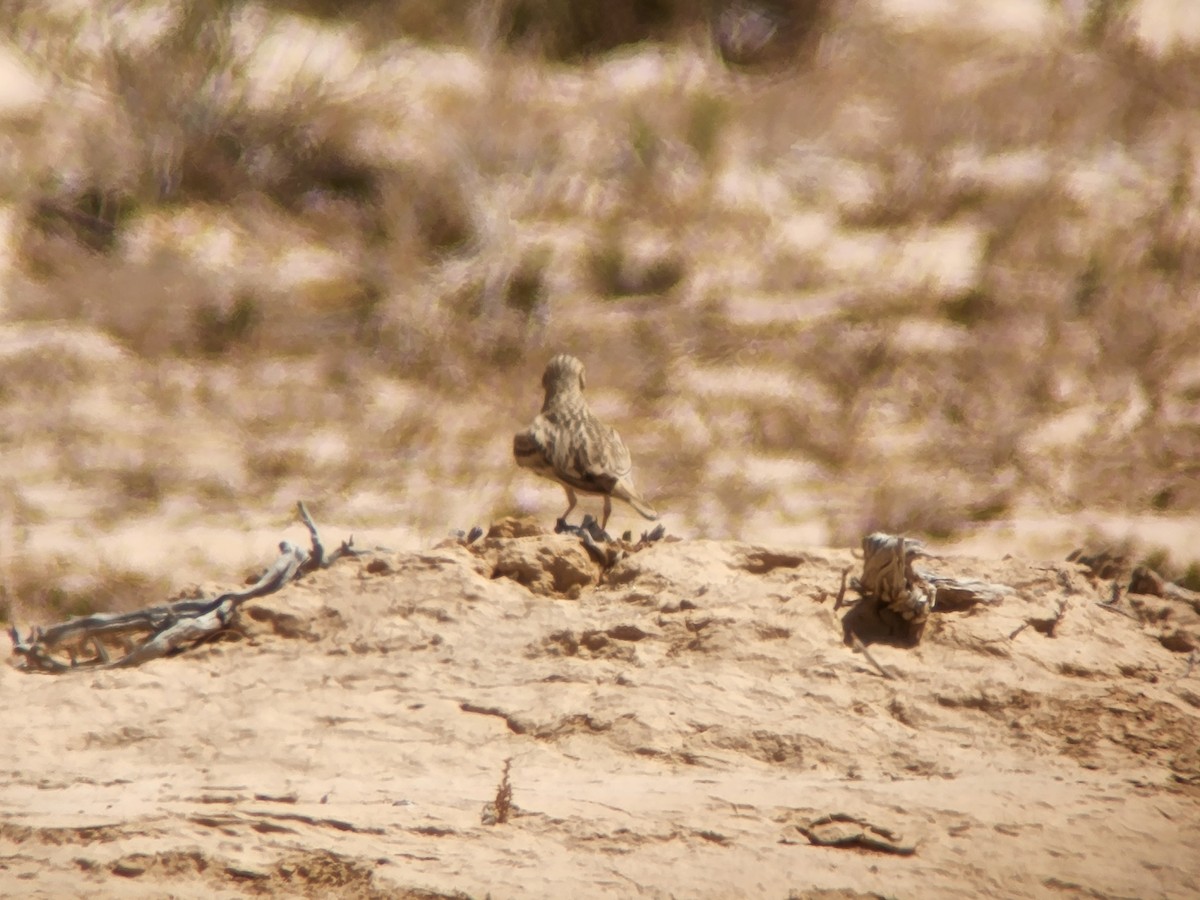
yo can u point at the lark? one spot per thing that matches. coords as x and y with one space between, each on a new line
568 444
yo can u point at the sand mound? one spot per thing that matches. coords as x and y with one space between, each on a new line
687 722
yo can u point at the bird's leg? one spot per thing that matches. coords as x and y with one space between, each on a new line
607 512
571 501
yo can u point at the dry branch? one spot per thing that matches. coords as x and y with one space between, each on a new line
888 576
908 595
159 631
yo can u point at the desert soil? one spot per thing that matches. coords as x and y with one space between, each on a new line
936 274
671 726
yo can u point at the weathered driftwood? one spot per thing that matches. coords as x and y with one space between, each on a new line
903 596
888 576
159 631
958 594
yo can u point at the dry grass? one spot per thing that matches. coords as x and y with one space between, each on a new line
944 275
503 805
53 589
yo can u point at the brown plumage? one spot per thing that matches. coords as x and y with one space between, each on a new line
568 444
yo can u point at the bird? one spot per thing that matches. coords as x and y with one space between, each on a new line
567 443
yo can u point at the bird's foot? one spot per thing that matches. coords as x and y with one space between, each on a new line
588 528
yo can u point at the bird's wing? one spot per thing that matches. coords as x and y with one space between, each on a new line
577 447
616 459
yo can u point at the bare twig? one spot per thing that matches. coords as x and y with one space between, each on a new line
318 559
1193 657
841 596
318 549
860 647
8 597
1121 612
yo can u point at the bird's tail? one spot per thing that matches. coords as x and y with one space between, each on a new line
630 495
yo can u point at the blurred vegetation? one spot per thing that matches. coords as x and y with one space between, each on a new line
939 273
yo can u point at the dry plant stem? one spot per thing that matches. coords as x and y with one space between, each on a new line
498 810
841 596
860 647
7 554
504 795
1116 609
1191 664
164 629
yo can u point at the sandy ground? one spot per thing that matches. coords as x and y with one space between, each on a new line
672 725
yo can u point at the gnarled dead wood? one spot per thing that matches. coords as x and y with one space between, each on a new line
158 631
888 575
906 595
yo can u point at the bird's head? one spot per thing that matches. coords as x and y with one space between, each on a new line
564 374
